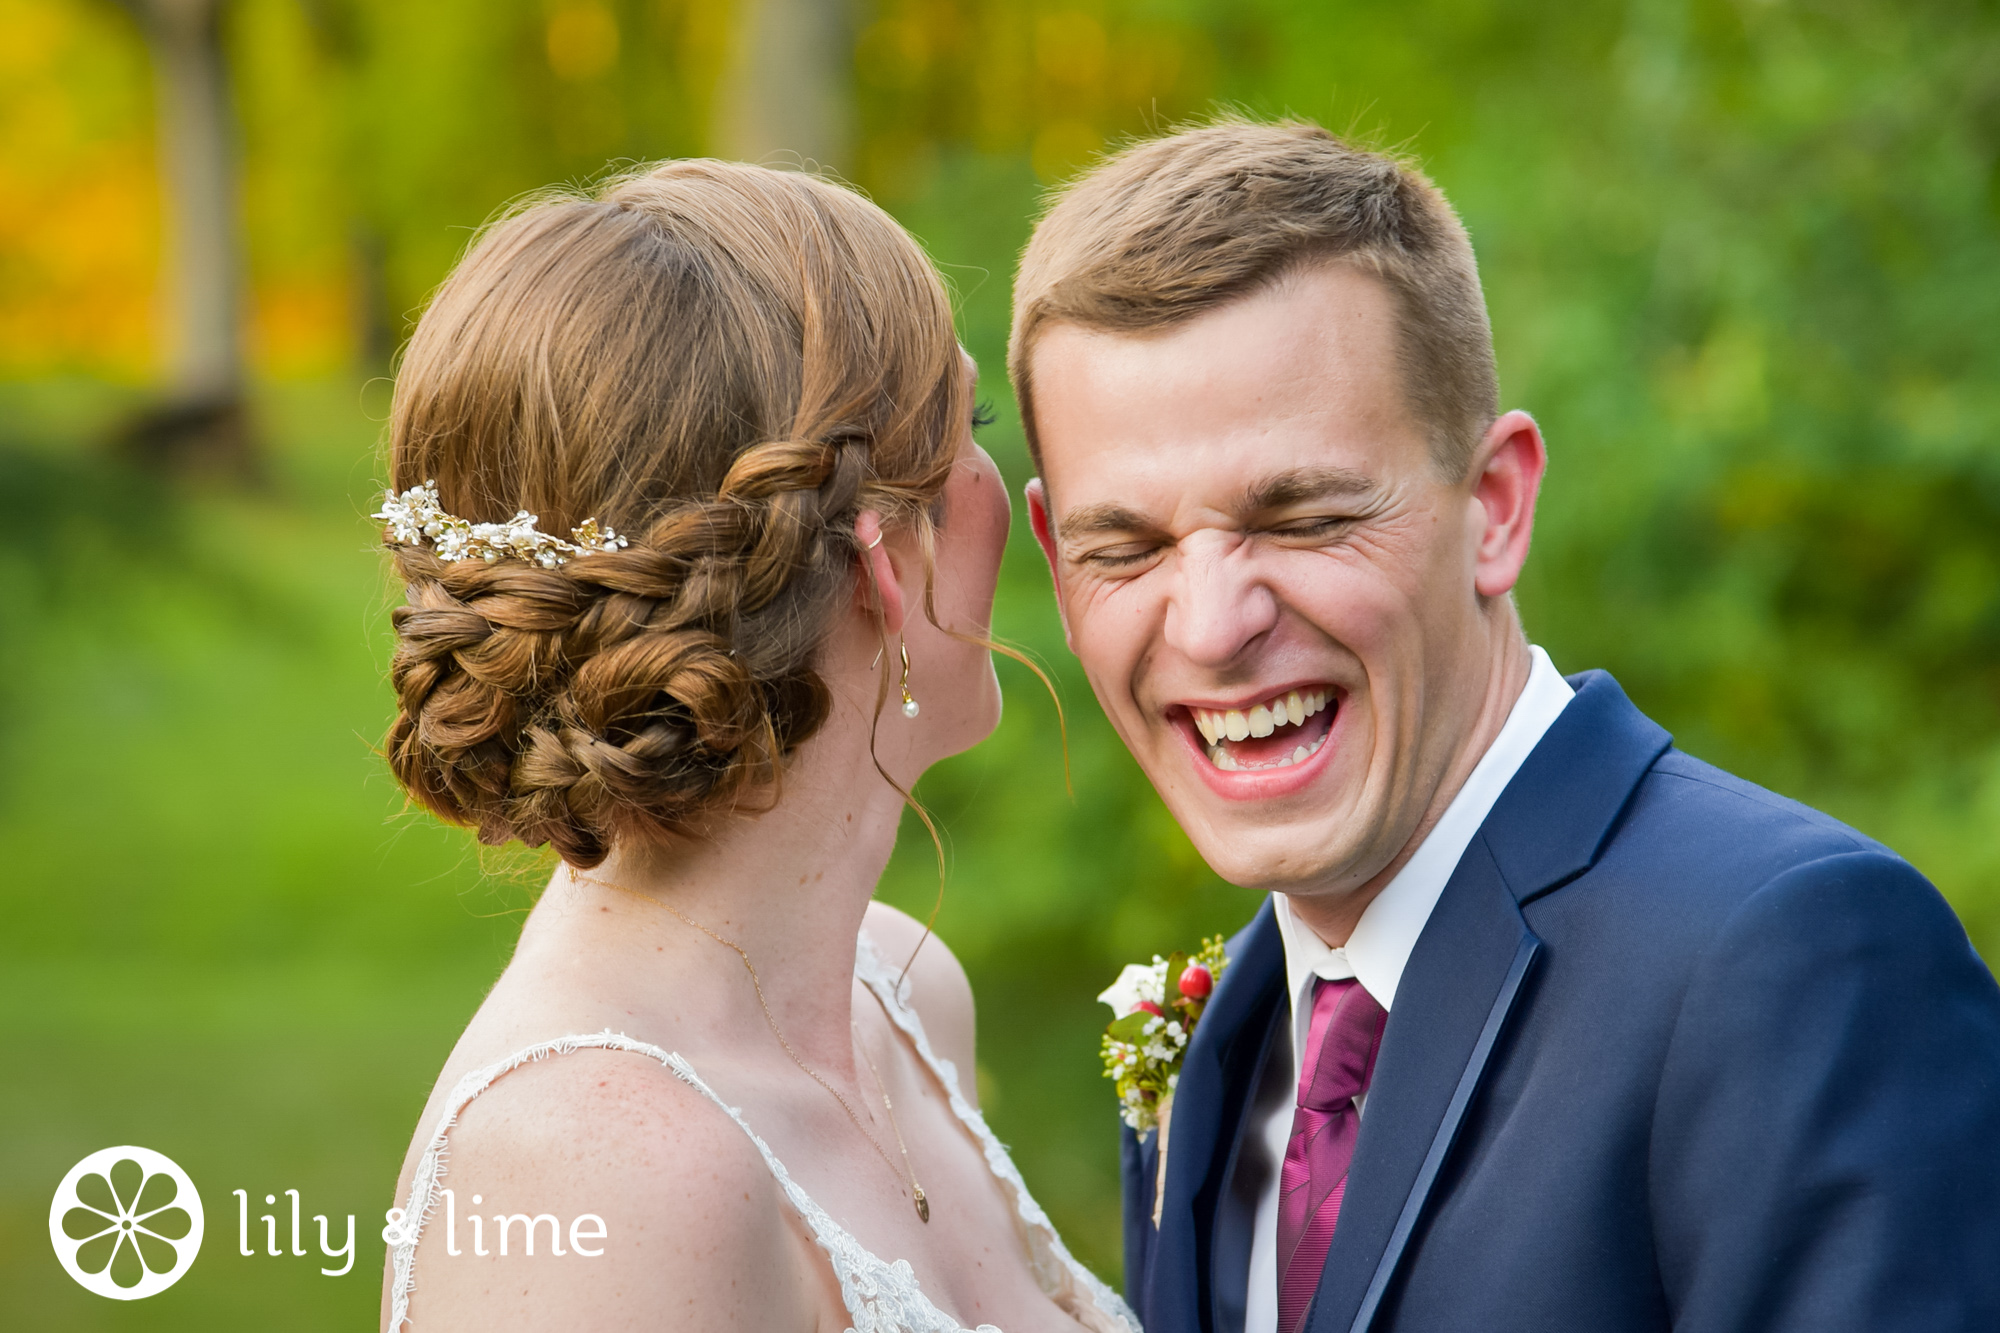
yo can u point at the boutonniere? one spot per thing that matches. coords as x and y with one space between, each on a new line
1157 1006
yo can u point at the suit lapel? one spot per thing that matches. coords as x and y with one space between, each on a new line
1466 979
1235 1223
1218 1075
1456 994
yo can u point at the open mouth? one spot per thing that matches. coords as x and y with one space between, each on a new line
1284 730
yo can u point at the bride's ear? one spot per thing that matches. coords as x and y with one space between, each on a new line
876 587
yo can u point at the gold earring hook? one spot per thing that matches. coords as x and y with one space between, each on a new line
910 708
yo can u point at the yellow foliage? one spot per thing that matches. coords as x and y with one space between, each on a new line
79 206
582 41
362 120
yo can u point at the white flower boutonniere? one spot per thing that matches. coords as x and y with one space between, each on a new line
1144 1044
1157 1006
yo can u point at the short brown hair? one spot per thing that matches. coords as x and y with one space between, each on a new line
725 362
1169 228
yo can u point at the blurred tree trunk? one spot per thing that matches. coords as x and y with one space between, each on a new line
375 332
201 424
342 35
790 87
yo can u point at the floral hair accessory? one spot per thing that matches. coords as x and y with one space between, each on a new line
1157 1006
415 517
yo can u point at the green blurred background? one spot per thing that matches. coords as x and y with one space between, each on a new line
1741 257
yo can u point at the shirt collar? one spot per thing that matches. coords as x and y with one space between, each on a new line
1380 946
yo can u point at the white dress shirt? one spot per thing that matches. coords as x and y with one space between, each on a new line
1375 955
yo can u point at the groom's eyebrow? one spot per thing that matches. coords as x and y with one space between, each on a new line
1301 486
1094 520
1278 491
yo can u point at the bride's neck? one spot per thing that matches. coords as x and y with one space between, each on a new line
788 886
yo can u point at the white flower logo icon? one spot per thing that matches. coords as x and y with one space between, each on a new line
126 1223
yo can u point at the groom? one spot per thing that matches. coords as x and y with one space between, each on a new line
1546 1025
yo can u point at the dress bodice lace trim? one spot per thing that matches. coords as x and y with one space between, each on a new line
881 1296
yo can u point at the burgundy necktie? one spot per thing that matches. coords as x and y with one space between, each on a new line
1341 1043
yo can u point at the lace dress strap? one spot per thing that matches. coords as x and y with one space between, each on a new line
1056 1269
881 1297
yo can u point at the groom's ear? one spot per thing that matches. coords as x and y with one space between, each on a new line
1045 537
1509 467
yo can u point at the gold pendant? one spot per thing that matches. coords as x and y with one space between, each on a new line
923 1206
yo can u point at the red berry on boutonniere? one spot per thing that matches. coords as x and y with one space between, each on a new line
1148 1006
1197 982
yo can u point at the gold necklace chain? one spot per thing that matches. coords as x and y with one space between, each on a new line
916 1195
923 1204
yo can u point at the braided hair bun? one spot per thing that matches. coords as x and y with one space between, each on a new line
727 363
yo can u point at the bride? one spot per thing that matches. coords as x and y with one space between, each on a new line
740 606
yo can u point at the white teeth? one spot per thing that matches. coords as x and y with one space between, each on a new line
1226 762
1234 724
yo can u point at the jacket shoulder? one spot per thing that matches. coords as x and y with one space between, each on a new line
1693 846
1711 792
1693 817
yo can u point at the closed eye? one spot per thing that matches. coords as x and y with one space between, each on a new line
1325 525
1119 557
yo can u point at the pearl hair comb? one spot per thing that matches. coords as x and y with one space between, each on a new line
415 517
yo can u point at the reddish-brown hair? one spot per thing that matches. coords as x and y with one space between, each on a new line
726 363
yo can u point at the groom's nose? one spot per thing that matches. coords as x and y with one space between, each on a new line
1217 607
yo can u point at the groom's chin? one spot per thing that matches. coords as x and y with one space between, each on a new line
1271 830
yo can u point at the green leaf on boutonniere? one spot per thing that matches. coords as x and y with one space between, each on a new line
1132 1027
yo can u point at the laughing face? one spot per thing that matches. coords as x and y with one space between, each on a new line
1295 620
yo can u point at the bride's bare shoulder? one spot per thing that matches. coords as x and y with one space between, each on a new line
601 1187
939 990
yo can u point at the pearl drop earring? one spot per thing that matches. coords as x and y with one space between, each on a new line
910 708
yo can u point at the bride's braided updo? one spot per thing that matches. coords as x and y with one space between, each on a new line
726 363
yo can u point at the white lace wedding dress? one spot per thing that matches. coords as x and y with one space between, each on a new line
881 1296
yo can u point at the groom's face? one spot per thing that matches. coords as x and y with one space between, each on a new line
1268 580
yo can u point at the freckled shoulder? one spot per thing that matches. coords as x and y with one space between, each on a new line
698 1234
939 990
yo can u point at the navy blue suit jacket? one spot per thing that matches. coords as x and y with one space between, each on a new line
1671 1053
